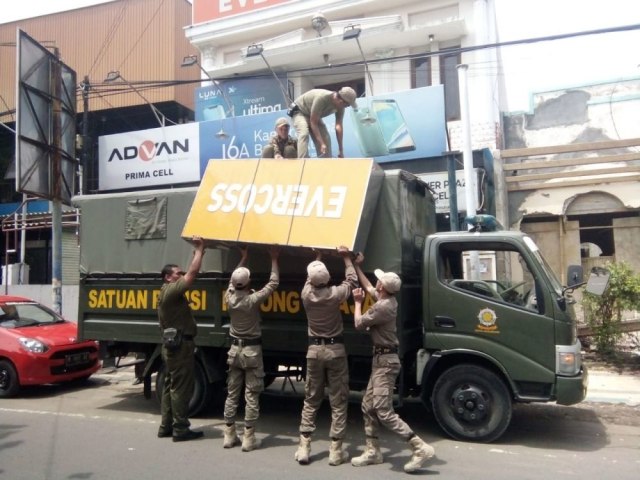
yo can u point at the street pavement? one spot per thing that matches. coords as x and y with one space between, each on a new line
605 386
613 387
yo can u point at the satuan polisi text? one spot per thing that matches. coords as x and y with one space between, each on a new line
290 200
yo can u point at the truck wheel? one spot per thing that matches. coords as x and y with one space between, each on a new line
202 390
9 384
471 403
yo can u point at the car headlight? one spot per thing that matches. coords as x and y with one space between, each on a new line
32 345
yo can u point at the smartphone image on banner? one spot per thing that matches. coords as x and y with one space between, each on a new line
368 133
214 112
392 125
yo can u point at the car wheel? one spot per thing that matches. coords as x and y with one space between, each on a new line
202 390
471 403
9 384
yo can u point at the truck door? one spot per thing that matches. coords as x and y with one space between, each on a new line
486 298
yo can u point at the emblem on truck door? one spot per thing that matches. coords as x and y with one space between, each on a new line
487 319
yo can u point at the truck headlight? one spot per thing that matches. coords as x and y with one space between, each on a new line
32 345
568 359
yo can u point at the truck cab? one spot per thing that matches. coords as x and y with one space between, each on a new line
498 328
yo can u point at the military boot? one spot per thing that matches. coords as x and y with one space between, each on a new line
422 452
249 440
230 436
336 454
371 455
304 449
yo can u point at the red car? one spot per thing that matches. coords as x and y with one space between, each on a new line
38 346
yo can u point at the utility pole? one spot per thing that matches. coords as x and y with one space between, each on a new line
470 193
56 203
85 144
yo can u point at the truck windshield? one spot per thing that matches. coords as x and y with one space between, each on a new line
557 286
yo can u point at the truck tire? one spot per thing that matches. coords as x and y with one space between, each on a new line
471 403
202 390
9 384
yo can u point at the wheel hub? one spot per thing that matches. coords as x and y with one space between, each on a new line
469 404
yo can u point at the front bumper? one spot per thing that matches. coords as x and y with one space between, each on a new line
572 390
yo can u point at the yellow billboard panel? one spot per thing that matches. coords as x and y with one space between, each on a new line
306 202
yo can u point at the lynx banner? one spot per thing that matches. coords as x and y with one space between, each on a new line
319 203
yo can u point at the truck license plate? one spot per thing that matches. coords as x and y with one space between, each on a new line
76 359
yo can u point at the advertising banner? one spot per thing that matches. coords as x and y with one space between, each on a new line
397 126
207 10
159 156
239 98
439 183
314 202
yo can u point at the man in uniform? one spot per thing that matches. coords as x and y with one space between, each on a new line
281 145
377 403
245 355
308 111
177 322
326 356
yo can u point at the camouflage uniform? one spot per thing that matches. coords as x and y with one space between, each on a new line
287 148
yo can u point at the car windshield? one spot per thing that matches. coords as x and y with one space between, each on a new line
17 315
557 286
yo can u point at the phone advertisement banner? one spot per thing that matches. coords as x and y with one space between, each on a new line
159 156
240 98
388 128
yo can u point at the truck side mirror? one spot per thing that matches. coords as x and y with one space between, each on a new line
574 275
598 281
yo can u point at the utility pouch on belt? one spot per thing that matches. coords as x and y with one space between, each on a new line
293 109
171 338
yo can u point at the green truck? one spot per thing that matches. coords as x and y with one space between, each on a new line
483 321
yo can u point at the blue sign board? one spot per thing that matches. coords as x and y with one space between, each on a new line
391 127
242 97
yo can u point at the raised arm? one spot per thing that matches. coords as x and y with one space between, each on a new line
362 278
196 261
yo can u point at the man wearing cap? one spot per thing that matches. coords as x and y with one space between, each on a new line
326 356
281 145
310 108
377 403
176 321
245 354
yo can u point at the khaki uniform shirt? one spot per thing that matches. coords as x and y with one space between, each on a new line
244 308
322 305
380 320
316 101
174 310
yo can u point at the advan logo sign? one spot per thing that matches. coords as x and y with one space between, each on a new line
159 156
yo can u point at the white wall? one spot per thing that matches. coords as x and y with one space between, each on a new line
44 295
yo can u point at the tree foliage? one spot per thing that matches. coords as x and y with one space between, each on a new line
604 313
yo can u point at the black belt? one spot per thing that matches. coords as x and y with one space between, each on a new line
326 340
243 342
380 350
188 338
